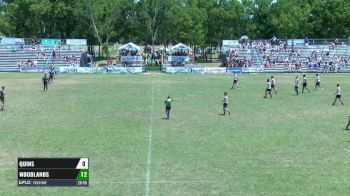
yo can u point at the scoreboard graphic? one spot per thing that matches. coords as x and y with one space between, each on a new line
53 172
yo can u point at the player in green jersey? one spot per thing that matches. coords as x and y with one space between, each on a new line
167 104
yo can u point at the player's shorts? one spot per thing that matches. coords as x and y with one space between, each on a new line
304 84
338 96
235 81
272 86
225 105
296 87
317 83
268 90
168 107
2 99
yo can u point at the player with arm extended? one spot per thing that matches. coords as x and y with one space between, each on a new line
338 95
268 88
167 104
2 98
225 104
304 84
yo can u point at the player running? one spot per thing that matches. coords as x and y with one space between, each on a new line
225 100
235 81
268 88
318 81
167 104
304 84
273 84
296 84
338 95
2 98
45 82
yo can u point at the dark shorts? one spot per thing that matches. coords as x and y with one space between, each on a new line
235 81
268 90
317 83
272 86
304 84
225 105
2 99
296 87
168 108
338 96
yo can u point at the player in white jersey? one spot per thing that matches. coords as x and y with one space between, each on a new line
225 105
338 95
318 81
273 84
268 88
235 81
296 84
304 84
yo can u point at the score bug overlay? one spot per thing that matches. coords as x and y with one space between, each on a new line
53 172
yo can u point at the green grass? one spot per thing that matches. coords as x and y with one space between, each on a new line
287 145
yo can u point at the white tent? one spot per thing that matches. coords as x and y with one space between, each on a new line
180 46
130 46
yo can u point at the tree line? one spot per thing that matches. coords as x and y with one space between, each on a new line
195 22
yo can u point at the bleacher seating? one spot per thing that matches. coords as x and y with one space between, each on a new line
304 53
10 56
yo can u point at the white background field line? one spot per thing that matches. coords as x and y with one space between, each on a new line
164 182
149 154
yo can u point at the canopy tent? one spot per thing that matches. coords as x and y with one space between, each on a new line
130 46
180 46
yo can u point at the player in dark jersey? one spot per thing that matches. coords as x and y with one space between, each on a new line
304 84
51 73
2 98
45 82
167 104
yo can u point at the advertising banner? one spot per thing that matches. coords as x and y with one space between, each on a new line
50 42
130 58
76 42
230 43
214 70
11 41
31 70
234 70
178 70
116 70
121 70
178 59
252 70
193 70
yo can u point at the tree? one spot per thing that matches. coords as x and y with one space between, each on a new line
153 12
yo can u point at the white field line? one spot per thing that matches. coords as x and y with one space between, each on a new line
149 154
165 182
